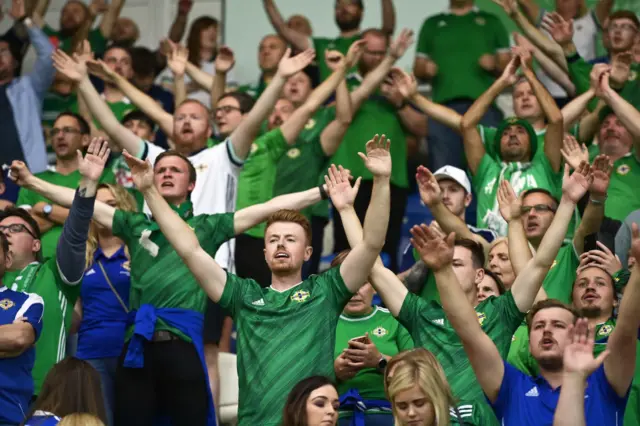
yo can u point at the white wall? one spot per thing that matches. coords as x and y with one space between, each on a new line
246 23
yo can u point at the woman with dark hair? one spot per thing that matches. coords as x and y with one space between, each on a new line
71 386
312 402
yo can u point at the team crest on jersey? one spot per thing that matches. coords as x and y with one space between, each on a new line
293 153
201 167
481 317
310 124
633 75
623 169
480 21
379 331
442 24
254 147
605 330
300 296
6 304
126 265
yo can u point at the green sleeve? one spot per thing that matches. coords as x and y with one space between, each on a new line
26 197
511 317
333 285
71 292
519 355
500 34
488 169
579 72
126 224
216 230
275 144
233 294
410 315
430 289
559 280
424 46
403 339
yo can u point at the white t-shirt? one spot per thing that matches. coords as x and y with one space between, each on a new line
585 37
217 171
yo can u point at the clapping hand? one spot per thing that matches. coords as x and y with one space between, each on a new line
225 60
73 69
601 172
401 43
575 186
339 187
510 205
141 171
578 356
428 186
510 73
378 158
177 60
406 83
435 250
288 65
101 70
572 152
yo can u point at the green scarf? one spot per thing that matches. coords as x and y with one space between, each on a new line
26 277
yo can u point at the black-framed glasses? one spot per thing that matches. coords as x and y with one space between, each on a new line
16 228
538 208
226 109
65 131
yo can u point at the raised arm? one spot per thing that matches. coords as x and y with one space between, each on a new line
431 196
602 10
210 275
531 9
578 364
511 211
110 17
625 112
386 283
388 17
299 41
357 265
373 79
42 73
572 112
179 25
619 366
555 127
71 251
473 146
40 8
436 252
244 135
225 61
527 284
413 120
177 62
408 87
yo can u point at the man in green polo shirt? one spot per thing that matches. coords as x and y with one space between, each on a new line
622 31
459 71
270 51
76 20
70 133
348 16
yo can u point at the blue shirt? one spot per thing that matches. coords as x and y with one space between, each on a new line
524 400
16 384
42 418
104 320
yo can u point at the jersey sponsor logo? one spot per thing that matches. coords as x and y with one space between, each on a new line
293 153
90 272
623 169
605 330
481 21
6 304
439 321
379 331
310 124
481 317
259 302
300 296
533 392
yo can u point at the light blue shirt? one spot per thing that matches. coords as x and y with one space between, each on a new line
26 95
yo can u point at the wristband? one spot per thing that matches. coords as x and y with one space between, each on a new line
597 202
573 58
323 192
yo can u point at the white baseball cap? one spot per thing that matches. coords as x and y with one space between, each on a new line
457 175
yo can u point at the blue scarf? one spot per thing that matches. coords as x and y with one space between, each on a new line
187 321
351 400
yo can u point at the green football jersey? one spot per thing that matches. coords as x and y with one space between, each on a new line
341 44
95 37
119 109
386 333
257 177
59 295
623 194
429 327
302 165
159 277
254 90
558 284
28 199
523 176
283 337
456 43
376 116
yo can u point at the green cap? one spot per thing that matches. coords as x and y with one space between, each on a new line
515 121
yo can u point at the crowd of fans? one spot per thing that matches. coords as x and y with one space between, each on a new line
155 213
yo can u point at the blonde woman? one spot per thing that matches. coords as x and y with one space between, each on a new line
104 295
418 390
81 419
499 262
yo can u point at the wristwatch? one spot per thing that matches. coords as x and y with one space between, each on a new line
46 210
382 364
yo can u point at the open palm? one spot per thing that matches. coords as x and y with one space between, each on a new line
334 59
575 186
378 158
91 165
288 65
406 83
177 60
428 186
401 43
102 71
342 194
72 69
510 205
141 171
578 355
573 152
225 60
435 250
560 29
601 171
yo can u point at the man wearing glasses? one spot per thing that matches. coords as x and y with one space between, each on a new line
56 280
69 134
